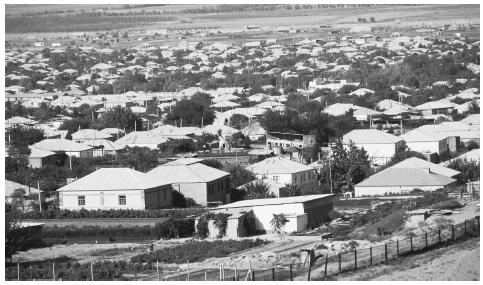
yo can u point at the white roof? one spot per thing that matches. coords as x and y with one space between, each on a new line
142 138
107 144
472 155
61 145
109 179
370 136
19 120
414 162
89 134
473 119
434 105
277 165
405 177
275 201
37 152
11 186
184 161
186 173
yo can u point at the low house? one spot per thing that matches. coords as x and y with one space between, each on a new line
89 134
379 146
39 158
147 139
103 147
465 132
436 107
68 147
426 142
194 180
16 121
254 131
276 188
115 188
287 140
302 212
395 180
284 171
418 163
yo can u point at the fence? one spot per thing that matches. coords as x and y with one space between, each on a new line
323 267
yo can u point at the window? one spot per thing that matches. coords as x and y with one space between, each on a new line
275 178
122 199
81 200
102 198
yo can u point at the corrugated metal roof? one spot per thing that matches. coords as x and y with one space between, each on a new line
61 145
414 162
370 136
108 179
277 165
275 201
395 177
182 173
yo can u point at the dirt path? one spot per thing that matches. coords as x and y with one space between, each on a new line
458 262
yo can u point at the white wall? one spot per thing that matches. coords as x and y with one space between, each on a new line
424 147
264 214
381 190
379 153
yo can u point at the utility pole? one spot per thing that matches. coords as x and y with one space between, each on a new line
40 197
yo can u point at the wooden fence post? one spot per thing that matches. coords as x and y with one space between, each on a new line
426 239
478 223
92 272
355 259
53 270
326 261
18 271
291 276
253 275
206 276
439 234
370 255
466 233
273 273
157 269
452 233
188 277
310 270
397 247
411 240
385 251
340 262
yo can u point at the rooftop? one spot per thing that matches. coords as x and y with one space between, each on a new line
275 201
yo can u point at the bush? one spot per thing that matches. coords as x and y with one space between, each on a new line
448 205
195 251
95 214
333 215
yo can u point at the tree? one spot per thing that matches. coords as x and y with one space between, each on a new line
174 146
278 224
20 200
178 199
258 190
349 165
192 112
20 137
470 169
15 238
238 121
293 189
122 118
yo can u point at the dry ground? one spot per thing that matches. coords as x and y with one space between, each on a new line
458 262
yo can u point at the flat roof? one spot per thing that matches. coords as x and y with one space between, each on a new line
274 201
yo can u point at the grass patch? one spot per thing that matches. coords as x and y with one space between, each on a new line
448 205
195 251
388 224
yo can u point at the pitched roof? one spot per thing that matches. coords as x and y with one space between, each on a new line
472 155
405 177
61 145
10 187
89 134
276 165
106 179
19 120
184 161
107 144
370 136
414 162
37 152
186 173
142 137
472 120
274 201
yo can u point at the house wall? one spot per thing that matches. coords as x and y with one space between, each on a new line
283 178
235 227
318 211
264 214
202 193
380 153
425 147
382 190
35 162
135 199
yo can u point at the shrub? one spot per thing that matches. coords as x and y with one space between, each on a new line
448 205
195 251
333 215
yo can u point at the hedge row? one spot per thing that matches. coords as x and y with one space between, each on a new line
166 230
195 251
74 271
177 213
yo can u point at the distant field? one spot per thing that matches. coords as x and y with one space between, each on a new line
15 23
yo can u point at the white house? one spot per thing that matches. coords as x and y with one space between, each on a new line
254 131
69 147
194 180
115 188
380 146
285 171
395 180
302 212
426 142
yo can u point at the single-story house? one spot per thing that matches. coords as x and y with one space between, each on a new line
194 180
89 134
115 188
276 188
284 171
426 142
68 147
40 157
302 212
379 146
401 181
418 163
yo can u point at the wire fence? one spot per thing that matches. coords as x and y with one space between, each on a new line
324 266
